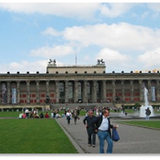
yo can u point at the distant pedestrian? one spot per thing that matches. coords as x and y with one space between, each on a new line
90 128
75 116
103 126
148 112
68 116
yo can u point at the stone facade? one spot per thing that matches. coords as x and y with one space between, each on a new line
77 87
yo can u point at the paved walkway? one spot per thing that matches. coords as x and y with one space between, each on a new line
132 139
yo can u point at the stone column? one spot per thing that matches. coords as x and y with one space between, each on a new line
141 90
28 91
75 91
47 93
132 91
149 91
8 92
94 91
37 92
57 91
18 92
84 94
122 87
157 90
103 89
66 91
47 88
113 90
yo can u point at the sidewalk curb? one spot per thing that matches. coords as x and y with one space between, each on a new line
79 149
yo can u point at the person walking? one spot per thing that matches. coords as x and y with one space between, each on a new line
148 112
102 126
75 116
68 116
90 128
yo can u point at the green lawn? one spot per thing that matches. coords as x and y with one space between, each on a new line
150 124
10 114
16 114
33 136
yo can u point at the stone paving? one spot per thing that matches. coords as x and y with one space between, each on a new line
132 139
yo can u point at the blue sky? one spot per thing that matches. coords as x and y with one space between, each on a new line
125 35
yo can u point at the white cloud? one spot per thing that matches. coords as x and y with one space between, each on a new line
150 59
114 60
154 6
121 36
80 10
51 31
25 66
114 40
115 9
52 52
111 55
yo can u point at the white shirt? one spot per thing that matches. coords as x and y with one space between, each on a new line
104 125
26 111
68 114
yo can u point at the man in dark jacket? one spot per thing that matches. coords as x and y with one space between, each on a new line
90 128
148 112
102 126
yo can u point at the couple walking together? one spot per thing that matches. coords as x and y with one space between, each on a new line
100 125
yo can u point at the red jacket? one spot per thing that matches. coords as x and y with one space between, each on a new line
46 115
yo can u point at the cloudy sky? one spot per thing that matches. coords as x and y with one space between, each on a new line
125 35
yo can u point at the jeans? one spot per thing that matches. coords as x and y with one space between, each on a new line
68 119
91 136
147 117
102 137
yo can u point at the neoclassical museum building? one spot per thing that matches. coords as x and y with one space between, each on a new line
72 84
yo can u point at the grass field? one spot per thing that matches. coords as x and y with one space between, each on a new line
150 124
16 114
33 136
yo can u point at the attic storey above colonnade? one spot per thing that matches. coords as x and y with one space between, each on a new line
78 69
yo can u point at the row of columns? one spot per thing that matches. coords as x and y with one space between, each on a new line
84 91
93 85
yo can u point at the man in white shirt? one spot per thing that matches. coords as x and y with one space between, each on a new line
103 127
